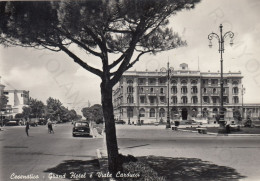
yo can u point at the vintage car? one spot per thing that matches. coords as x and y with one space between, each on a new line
81 129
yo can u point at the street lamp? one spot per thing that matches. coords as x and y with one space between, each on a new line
169 73
221 39
129 99
243 92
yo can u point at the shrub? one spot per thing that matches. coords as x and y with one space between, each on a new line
145 172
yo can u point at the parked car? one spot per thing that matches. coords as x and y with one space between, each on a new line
120 122
81 129
12 122
42 121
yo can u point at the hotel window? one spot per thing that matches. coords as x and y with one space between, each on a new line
151 90
152 112
129 82
225 81
141 81
204 81
235 90
162 99
214 90
206 99
130 89
162 80
152 81
161 90
204 90
214 100
141 90
184 90
214 81
225 100
236 100
184 100
194 99
235 82
152 100
142 112
174 99
194 82
162 113
194 89
174 90
130 99
142 99
173 82
183 82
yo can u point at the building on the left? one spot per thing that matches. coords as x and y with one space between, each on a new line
16 100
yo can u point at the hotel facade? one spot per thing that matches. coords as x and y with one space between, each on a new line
192 94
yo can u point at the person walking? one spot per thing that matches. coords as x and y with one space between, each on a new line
50 129
27 127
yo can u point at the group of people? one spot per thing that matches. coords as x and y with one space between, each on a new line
49 124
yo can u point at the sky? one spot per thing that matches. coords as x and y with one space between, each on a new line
50 74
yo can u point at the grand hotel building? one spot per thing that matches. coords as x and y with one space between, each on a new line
191 93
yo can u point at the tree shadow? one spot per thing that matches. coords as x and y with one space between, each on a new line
179 169
190 169
86 169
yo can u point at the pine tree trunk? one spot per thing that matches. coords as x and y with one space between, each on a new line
108 112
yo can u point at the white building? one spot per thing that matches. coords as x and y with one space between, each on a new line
17 99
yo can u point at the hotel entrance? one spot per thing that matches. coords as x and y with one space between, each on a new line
184 113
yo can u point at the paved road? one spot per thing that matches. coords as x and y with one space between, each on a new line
40 151
239 153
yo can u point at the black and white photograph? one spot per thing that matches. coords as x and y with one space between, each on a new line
130 90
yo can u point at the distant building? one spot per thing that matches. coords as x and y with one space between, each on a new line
17 99
192 92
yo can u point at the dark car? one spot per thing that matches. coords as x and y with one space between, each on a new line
81 129
120 122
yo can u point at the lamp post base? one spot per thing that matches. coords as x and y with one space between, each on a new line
168 123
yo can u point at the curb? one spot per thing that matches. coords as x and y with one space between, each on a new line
217 134
102 159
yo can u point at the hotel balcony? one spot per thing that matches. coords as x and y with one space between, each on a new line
142 94
152 94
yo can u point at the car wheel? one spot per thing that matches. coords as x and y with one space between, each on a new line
73 135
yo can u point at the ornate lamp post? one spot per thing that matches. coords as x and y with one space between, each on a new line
129 111
221 49
169 73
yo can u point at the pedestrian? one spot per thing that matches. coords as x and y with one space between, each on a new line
50 129
27 127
